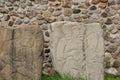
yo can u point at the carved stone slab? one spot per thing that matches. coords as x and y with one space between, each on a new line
5 51
21 53
78 49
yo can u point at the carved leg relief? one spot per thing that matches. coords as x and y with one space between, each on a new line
21 53
78 49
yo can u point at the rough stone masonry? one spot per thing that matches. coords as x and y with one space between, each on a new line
21 53
45 12
78 49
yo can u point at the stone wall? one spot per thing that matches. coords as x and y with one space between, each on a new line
45 12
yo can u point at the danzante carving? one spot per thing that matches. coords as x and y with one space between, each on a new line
78 49
21 53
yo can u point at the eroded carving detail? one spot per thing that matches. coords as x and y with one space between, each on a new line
78 49
21 53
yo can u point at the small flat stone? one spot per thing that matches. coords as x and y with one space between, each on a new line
32 0
111 48
19 10
2 1
13 13
57 13
107 64
93 8
114 31
104 27
95 17
118 69
104 1
108 55
50 19
111 71
110 27
37 1
4 11
23 5
83 5
107 36
2 64
104 14
43 2
51 9
12 1
88 2
41 22
10 23
29 15
1 4
108 21
52 0
23 1
16 3
26 20
114 38
44 27
46 45
55 4
6 17
47 14
47 51
44 7
29 3
39 16
95 1
75 3
67 11
102 5
67 4
1 16
116 64
18 22
76 11
118 27
118 1
47 34
111 2
11 8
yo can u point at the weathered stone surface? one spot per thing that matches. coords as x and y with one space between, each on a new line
67 11
5 49
102 5
21 53
76 11
6 17
93 8
95 1
103 0
78 49
111 71
104 14
67 3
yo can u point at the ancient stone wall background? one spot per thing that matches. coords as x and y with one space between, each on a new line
44 12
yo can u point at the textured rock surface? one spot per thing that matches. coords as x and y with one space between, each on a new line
5 51
21 52
44 12
78 49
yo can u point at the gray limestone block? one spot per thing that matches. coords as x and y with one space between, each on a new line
78 49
